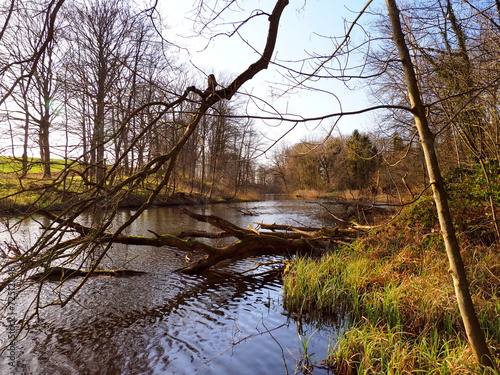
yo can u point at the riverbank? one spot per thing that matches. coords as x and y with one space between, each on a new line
12 207
394 288
33 192
22 193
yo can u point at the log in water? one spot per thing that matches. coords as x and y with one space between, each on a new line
223 322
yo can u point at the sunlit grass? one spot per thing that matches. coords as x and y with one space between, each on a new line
382 349
21 191
9 165
395 287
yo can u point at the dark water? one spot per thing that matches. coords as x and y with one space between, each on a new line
168 323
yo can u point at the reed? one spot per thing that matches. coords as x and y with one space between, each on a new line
395 289
382 349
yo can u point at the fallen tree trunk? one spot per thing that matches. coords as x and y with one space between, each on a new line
64 273
289 240
334 232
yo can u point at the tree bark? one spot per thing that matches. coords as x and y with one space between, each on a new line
302 240
45 145
64 273
457 269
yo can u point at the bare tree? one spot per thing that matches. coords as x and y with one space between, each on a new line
99 34
457 268
31 89
52 247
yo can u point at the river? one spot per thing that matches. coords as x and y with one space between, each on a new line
169 323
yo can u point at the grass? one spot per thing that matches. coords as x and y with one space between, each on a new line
395 287
383 349
18 190
9 165
23 192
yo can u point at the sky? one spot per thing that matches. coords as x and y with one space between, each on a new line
303 25
303 21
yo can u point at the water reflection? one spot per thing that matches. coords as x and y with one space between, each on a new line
168 323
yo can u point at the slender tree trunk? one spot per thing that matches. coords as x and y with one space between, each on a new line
66 134
99 141
472 327
84 130
203 157
212 183
44 145
26 138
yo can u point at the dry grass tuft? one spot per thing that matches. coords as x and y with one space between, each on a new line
395 286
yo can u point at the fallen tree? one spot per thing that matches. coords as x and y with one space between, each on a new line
264 238
65 273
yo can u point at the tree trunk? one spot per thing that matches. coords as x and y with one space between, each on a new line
472 327
99 164
26 138
44 145
276 239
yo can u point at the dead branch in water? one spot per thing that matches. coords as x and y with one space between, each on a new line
265 238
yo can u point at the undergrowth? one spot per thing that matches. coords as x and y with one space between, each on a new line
394 286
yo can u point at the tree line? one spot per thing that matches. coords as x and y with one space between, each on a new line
350 165
336 164
96 97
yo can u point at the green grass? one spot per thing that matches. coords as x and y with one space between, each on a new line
20 191
395 288
382 349
10 165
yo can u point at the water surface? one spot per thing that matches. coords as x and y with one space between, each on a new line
221 322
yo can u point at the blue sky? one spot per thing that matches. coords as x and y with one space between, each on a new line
302 23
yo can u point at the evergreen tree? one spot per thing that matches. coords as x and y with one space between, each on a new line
361 160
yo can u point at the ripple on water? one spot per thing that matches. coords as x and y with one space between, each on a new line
168 323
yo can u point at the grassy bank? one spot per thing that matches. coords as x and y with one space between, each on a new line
22 192
395 288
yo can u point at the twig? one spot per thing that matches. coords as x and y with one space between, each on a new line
239 342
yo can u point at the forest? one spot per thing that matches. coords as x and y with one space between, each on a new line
100 110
